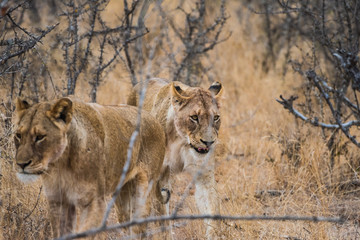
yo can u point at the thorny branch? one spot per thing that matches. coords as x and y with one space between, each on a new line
77 59
20 51
27 46
128 23
332 30
197 39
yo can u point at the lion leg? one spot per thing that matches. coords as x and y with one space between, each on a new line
123 203
140 202
91 215
207 202
161 208
55 213
70 218
62 217
132 202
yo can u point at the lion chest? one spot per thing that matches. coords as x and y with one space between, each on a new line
65 186
180 157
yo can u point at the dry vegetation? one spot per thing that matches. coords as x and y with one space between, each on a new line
275 164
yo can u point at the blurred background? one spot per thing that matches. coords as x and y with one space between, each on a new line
290 109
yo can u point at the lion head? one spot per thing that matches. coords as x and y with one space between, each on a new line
40 136
196 115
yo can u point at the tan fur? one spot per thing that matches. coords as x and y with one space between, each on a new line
190 117
79 150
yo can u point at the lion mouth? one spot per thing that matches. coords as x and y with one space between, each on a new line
200 149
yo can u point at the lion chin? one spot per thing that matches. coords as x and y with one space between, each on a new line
200 150
27 178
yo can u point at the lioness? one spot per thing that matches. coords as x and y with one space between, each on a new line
191 119
79 150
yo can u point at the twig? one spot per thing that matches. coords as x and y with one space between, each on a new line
74 30
37 202
272 193
99 69
90 34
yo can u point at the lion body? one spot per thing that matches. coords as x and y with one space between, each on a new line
80 156
190 118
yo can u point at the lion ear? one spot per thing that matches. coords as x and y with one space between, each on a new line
21 105
61 111
216 89
177 93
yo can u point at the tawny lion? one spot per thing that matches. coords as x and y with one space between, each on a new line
191 119
79 150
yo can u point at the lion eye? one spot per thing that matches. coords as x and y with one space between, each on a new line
18 136
194 118
216 118
39 138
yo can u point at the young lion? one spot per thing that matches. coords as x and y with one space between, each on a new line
191 119
79 150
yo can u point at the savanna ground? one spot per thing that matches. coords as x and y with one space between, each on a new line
274 164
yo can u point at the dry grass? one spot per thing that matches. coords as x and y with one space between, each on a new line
268 150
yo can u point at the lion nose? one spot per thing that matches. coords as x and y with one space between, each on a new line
24 165
208 144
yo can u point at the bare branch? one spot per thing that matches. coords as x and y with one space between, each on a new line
312 76
134 222
288 104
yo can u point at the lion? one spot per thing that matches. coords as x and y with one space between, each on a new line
191 119
79 150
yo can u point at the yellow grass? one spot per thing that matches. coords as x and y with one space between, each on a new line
267 150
